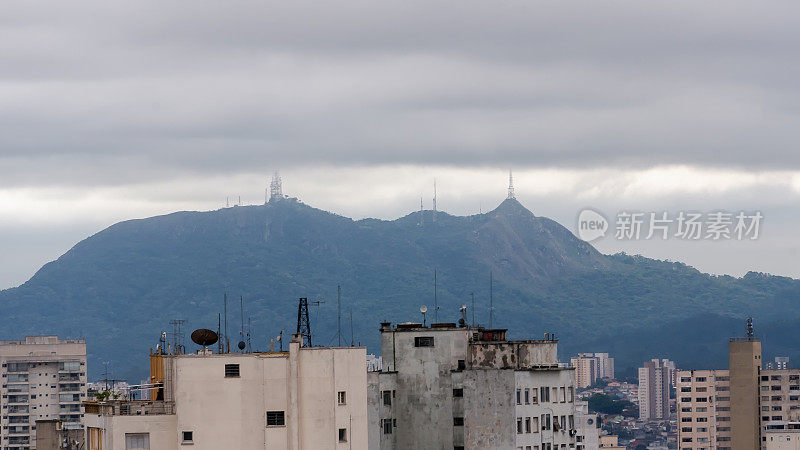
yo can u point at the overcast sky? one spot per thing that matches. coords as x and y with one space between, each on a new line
111 111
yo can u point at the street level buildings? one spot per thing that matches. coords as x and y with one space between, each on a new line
43 379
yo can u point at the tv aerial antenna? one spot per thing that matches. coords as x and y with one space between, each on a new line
423 309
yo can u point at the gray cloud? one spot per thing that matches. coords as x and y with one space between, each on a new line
157 89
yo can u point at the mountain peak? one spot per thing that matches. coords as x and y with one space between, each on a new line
511 206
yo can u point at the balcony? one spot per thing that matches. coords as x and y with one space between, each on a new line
71 376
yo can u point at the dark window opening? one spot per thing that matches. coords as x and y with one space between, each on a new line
275 419
458 392
231 370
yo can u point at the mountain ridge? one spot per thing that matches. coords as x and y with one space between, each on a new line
122 285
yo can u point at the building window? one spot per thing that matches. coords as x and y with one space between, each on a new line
462 364
275 419
231 370
387 426
342 434
458 392
423 341
137 441
519 396
527 396
519 425
342 397
187 437
458 421
527 424
544 394
387 398
535 422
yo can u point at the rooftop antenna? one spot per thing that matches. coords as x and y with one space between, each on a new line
435 298
339 312
241 344
177 335
423 309
473 308
510 185
491 299
749 329
352 340
227 340
276 187
303 324
220 345
249 346
317 303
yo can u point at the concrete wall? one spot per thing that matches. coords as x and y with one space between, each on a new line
745 365
512 355
489 409
162 430
231 412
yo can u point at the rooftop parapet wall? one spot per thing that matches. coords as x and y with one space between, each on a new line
512 354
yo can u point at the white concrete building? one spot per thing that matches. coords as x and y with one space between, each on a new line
782 435
43 378
458 387
590 367
306 398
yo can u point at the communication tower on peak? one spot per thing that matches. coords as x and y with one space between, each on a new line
275 187
510 185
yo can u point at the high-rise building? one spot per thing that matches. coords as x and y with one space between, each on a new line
590 367
455 387
44 378
655 382
744 361
734 409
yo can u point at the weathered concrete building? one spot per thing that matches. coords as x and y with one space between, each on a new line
458 387
44 378
306 398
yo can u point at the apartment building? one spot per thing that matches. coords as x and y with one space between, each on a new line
782 435
734 409
590 367
655 382
43 378
306 398
704 409
454 387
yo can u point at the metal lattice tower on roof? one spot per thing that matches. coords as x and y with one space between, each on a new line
303 323
510 185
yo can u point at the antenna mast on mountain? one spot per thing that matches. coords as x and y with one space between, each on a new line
275 187
510 185
434 199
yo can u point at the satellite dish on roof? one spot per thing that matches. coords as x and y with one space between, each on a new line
423 309
204 337
241 345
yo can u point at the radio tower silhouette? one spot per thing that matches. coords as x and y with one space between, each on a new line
303 324
510 185
275 188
